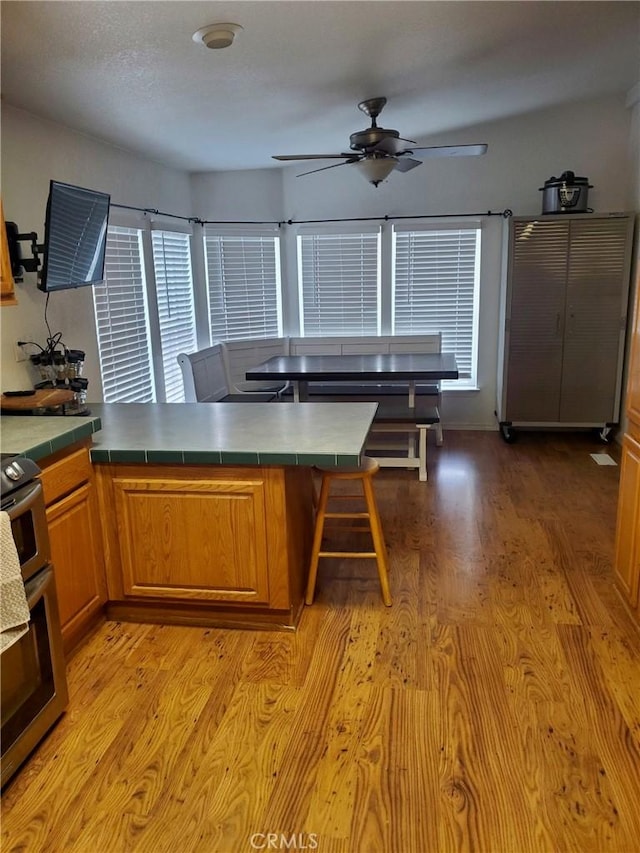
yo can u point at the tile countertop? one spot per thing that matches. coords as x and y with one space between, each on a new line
233 433
39 436
198 433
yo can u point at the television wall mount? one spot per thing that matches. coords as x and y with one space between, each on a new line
19 264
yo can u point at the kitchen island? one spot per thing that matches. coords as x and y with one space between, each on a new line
205 509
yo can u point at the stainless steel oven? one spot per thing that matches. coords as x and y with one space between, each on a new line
33 686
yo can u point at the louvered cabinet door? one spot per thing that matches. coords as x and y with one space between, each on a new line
596 307
535 320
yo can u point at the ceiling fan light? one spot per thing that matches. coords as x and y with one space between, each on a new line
377 169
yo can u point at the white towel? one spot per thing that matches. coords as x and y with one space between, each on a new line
14 610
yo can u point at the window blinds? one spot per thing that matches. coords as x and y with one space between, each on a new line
435 289
339 283
243 282
121 321
174 296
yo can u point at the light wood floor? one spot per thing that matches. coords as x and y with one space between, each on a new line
494 708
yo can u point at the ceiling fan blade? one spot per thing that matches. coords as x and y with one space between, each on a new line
332 166
309 156
449 151
406 164
394 145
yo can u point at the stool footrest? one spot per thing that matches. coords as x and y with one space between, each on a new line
346 515
345 498
358 554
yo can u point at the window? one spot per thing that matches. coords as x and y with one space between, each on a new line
122 324
436 275
144 313
243 283
145 309
174 297
339 282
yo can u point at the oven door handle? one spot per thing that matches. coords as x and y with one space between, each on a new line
29 494
36 587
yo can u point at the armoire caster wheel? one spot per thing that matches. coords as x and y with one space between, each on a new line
508 433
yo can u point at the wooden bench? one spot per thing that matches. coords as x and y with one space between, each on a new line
240 356
205 379
396 417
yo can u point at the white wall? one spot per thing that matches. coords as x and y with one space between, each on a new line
591 139
633 104
33 152
598 139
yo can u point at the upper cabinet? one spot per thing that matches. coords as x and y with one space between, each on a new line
565 313
7 289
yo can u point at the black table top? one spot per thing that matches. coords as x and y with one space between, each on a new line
387 367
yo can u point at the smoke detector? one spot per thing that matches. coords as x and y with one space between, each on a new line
217 36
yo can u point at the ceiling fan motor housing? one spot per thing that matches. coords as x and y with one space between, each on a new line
364 140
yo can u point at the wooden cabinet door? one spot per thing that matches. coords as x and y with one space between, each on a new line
203 540
633 377
596 310
627 561
76 553
535 320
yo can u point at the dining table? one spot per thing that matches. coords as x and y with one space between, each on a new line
371 369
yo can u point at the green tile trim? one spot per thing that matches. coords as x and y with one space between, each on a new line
127 456
317 459
202 457
59 442
39 451
165 457
214 457
277 459
239 458
348 461
86 430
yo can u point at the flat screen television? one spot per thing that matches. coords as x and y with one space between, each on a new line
75 237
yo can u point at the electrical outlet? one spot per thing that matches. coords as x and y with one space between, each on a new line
21 353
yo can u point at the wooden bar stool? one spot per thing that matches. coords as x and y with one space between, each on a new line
364 473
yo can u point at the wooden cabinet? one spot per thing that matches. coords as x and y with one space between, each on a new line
206 544
183 539
76 540
564 320
627 561
627 557
7 288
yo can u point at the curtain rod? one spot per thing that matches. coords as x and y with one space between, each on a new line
196 220
156 212
504 213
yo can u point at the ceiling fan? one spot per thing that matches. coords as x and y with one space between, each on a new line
377 151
